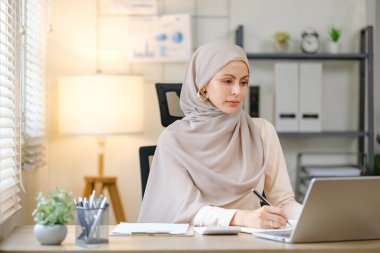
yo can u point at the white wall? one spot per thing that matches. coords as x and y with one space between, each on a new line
72 49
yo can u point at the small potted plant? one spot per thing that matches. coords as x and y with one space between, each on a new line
51 216
281 40
334 43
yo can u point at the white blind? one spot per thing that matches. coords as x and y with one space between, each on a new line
33 83
9 109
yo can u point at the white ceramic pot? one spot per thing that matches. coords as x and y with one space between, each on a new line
50 234
281 47
333 47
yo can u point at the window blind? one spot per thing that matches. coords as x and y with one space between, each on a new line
33 83
9 109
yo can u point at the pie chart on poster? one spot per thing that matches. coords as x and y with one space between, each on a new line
177 37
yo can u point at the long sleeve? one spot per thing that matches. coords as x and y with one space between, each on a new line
277 187
213 216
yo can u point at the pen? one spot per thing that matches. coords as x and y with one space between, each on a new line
266 202
92 199
103 206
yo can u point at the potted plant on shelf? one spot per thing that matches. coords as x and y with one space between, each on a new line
51 216
281 40
334 43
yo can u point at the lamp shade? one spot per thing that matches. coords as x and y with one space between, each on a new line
100 104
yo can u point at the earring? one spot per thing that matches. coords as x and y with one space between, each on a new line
202 96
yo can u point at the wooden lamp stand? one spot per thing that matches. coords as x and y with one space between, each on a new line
99 182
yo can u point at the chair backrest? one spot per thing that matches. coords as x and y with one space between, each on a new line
168 102
146 154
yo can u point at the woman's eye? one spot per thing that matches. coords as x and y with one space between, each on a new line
227 81
244 83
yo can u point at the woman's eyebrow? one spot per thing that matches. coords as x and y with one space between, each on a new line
230 75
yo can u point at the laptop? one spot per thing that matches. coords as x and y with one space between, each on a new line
335 209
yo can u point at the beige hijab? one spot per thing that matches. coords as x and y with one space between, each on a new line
208 157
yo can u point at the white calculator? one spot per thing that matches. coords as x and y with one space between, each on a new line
217 230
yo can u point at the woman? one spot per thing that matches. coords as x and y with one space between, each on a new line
207 164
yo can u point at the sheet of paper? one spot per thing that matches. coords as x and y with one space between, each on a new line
150 228
251 230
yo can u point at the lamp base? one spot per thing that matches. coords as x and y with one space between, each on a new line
98 183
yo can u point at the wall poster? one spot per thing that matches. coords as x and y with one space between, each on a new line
164 38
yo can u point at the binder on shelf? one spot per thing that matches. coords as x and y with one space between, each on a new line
310 97
286 97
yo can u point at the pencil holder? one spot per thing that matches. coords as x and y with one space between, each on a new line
91 225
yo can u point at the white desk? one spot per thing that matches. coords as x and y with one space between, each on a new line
22 240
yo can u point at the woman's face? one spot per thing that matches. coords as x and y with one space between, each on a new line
227 89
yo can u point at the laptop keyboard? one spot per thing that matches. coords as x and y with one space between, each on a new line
279 233
286 234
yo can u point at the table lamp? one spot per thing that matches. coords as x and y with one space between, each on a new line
101 105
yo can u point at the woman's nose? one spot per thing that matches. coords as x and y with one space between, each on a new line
235 89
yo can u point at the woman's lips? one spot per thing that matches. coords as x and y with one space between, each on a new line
233 102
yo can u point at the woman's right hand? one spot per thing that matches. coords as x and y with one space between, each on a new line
264 217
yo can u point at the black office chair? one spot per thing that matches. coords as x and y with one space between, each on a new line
168 102
170 111
146 155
